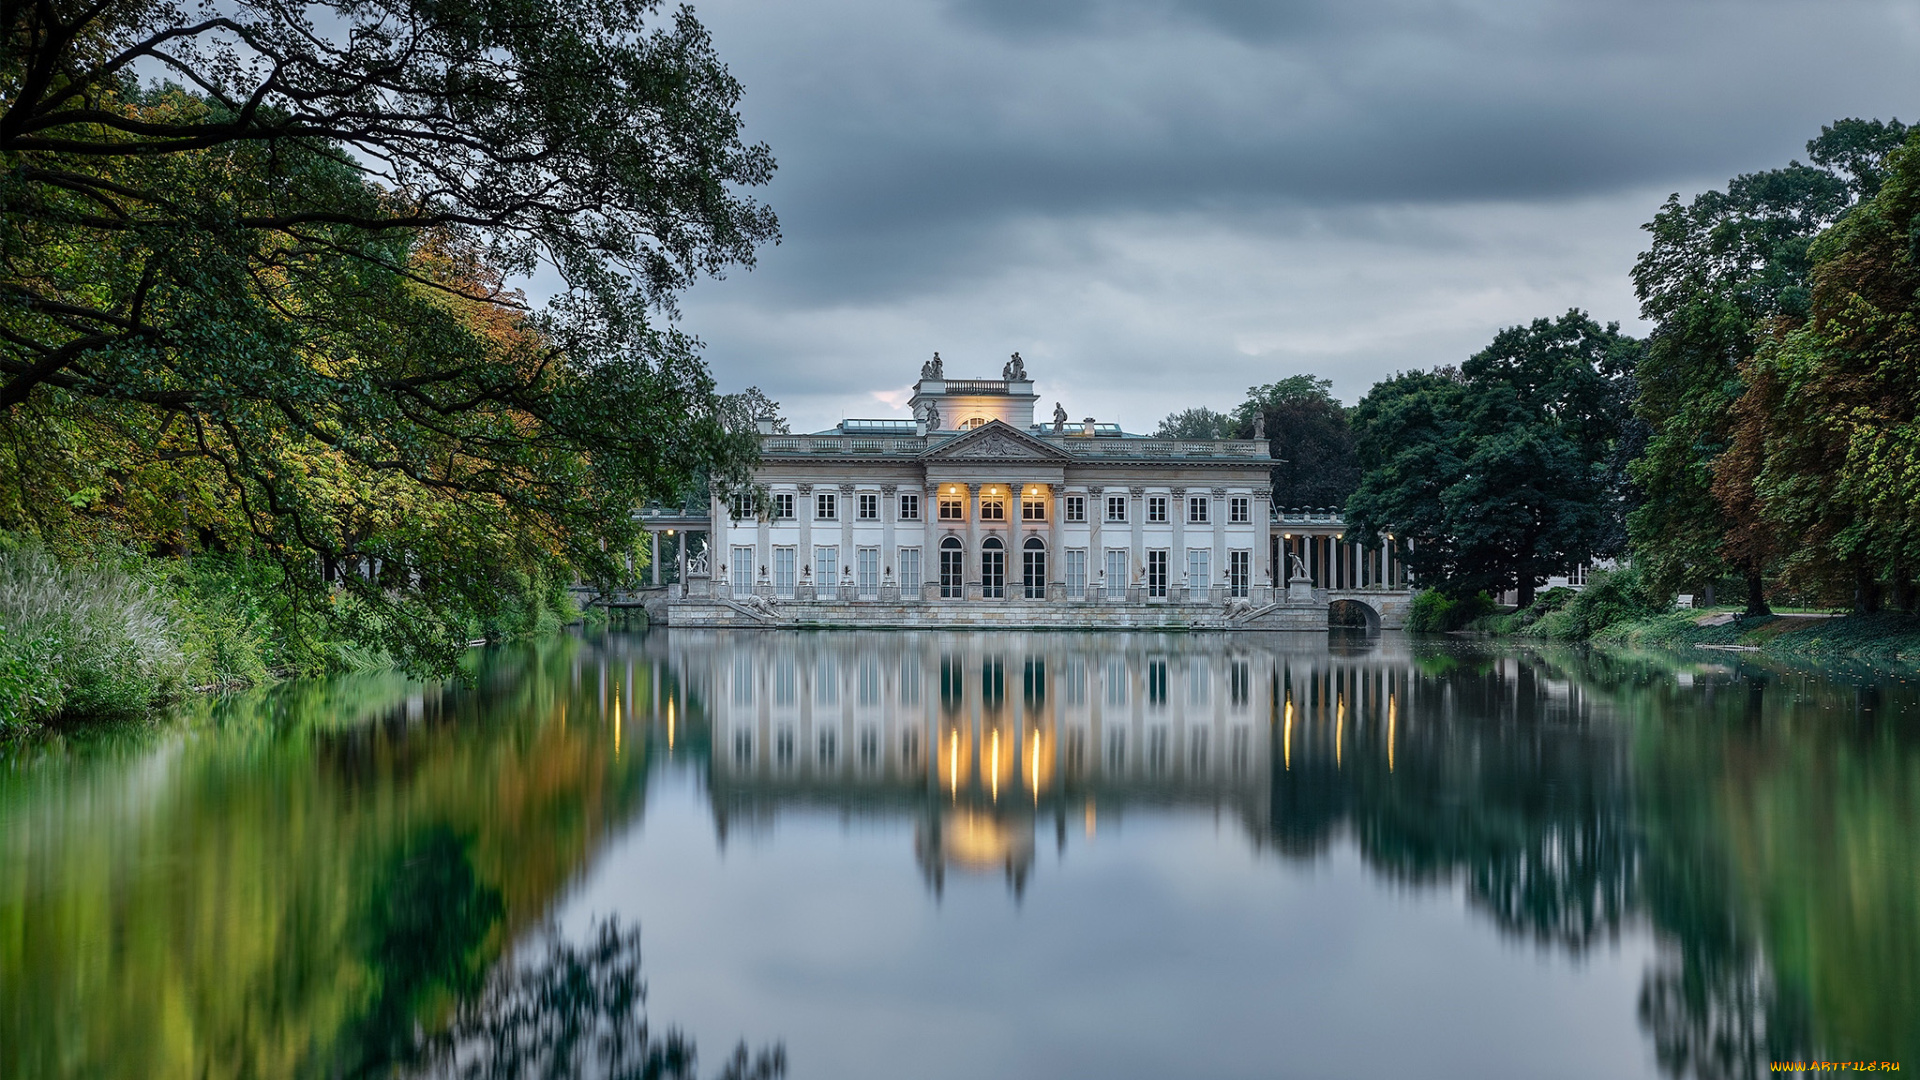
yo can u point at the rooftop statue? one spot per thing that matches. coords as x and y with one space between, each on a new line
1260 425
932 415
1016 370
1059 419
933 369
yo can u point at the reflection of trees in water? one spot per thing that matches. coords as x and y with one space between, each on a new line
571 1010
1507 780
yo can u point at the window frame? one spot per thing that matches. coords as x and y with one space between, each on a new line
1240 510
826 506
783 506
910 506
1156 509
1117 503
869 506
1198 510
1076 510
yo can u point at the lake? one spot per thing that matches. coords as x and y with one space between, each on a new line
982 854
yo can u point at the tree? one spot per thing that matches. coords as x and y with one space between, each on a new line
1718 267
1499 474
266 303
1834 415
1198 423
1309 437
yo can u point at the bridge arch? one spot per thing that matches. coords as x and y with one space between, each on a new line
1350 614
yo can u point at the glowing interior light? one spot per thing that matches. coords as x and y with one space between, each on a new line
669 723
993 766
1036 767
616 723
953 762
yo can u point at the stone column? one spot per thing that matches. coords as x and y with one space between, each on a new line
1222 558
653 559
889 545
1016 535
1096 549
1137 525
848 509
1263 569
763 546
803 513
970 559
1056 558
1177 551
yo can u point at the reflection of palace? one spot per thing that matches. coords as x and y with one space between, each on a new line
973 514
983 736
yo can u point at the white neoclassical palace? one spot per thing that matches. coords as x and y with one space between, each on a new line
974 514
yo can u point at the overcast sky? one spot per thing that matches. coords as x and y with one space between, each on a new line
1160 203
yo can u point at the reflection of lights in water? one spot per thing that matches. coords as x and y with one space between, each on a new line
993 765
1089 819
1036 767
669 723
1286 735
616 723
1339 727
953 762
1389 732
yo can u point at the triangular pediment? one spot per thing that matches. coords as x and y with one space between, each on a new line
996 440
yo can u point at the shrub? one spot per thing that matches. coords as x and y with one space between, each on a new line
104 638
1436 611
1610 598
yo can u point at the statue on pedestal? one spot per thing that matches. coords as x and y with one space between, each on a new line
931 414
1299 567
1016 370
1260 425
933 369
1059 419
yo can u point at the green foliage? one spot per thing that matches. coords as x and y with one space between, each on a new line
1836 407
1611 597
1197 423
1507 470
268 314
106 637
1436 611
1718 268
1309 436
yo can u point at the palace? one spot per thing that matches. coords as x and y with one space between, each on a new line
974 514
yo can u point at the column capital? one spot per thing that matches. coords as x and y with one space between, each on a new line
1219 492
846 489
1096 489
889 490
1178 493
804 489
1138 490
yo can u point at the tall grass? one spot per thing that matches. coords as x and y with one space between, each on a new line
96 641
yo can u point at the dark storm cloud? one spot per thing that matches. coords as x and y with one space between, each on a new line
982 152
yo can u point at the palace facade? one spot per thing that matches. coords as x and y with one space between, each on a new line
974 513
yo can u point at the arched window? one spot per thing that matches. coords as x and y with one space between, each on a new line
1033 568
993 569
972 422
953 565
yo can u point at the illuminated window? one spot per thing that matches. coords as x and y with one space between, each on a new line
973 422
953 506
993 506
1033 508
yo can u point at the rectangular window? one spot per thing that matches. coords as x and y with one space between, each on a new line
826 506
910 573
1239 572
909 508
1033 508
1076 508
1197 509
869 508
826 571
1157 573
740 507
1199 571
867 570
1076 573
783 506
783 572
1116 508
1156 508
1117 576
740 570
993 509
1240 510
953 507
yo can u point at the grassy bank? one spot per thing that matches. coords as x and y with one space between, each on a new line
106 634
1614 610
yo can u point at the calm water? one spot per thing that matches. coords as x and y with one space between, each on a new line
965 855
